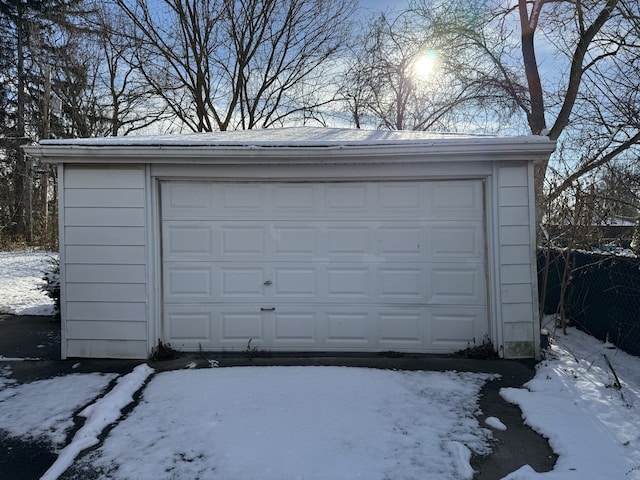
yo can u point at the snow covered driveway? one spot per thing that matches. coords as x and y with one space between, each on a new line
297 423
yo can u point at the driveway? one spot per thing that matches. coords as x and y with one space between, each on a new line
37 338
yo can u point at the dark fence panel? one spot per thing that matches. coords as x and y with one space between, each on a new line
551 289
602 297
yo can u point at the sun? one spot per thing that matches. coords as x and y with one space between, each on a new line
424 65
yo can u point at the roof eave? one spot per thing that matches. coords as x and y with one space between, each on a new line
505 149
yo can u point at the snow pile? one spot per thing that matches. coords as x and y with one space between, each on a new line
495 423
21 281
285 423
575 402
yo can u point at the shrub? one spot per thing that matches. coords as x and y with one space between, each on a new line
51 277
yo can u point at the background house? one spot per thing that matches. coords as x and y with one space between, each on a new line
297 239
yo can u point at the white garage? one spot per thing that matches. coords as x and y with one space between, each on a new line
300 239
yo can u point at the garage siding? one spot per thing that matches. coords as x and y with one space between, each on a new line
104 270
516 261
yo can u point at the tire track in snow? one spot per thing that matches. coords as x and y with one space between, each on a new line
100 414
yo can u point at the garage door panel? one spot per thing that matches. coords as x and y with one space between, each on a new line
295 282
324 266
239 281
349 327
457 285
248 198
401 241
353 282
185 326
348 240
456 200
398 328
186 282
187 240
191 327
454 242
238 327
401 199
186 199
348 199
294 198
300 282
241 241
295 327
295 240
436 200
317 241
424 284
407 283
234 327
457 328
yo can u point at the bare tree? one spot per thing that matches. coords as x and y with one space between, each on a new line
124 103
380 81
581 92
605 124
384 86
237 63
598 103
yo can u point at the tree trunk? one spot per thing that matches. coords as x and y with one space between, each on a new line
20 171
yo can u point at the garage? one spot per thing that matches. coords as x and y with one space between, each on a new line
324 266
297 239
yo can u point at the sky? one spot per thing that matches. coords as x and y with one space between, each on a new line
383 5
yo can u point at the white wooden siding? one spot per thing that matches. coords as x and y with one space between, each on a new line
515 254
104 241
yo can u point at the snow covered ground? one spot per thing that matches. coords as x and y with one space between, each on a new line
325 422
20 280
592 423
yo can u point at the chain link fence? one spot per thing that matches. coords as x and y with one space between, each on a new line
601 293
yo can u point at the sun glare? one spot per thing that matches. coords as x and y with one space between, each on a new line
424 65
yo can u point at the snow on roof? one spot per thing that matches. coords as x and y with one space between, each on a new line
296 137
294 144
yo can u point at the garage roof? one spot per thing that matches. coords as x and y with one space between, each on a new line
312 143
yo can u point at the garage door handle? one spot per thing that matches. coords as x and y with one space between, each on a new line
267 309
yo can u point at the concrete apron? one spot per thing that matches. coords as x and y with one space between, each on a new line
39 337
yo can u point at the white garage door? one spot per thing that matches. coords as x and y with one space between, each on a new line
353 266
